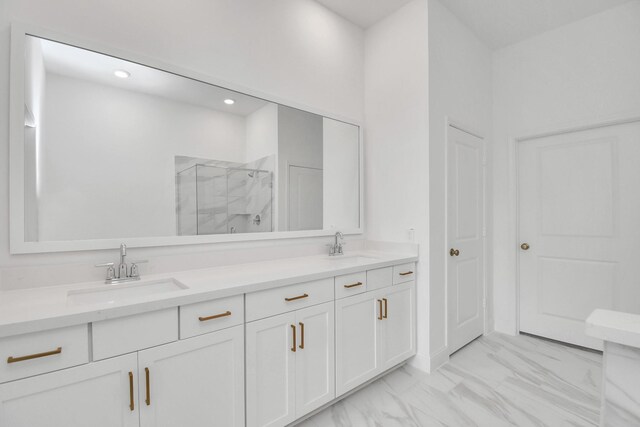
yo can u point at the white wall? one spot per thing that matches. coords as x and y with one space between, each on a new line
582 73
295 50
396 141
459 90
108 158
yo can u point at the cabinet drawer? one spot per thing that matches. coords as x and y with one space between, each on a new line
351 284
404 273
209 316
288 298
40 352
126 334
379 278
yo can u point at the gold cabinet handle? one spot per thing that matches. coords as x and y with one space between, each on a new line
353 285
380 309
12 359
131 405
301 336
525 246
454 252
296 298
385 307
215 316
148 397
293 329
406 273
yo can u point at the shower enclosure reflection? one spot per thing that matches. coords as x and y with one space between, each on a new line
217 199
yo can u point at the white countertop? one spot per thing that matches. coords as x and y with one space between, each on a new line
37 309
615 326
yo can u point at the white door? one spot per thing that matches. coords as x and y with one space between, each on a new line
100 394
579 215
465 230
271 369
357 323
305 198
397 341
194 382
315 358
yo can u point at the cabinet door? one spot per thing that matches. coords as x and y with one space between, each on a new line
397 338
197 382
315 358
97 395
356 340
271 371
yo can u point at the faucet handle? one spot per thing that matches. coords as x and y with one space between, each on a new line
105 264
134 267
111 271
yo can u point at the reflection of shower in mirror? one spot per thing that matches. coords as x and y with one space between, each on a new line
220 197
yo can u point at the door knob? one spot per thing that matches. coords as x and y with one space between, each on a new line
525 246
454 252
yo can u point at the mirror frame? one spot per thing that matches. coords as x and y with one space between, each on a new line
18 245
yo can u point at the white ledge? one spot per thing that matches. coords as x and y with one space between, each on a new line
37 309
615 326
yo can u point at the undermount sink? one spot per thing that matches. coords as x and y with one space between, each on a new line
111 294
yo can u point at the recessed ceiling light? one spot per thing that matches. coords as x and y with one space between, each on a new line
229 101
122 74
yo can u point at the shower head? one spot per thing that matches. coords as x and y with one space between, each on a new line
251 174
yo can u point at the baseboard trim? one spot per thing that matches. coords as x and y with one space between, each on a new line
438 358
420 362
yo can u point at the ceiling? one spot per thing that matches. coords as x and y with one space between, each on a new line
90 66
364 13
499 23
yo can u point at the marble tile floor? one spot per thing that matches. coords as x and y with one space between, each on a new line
495 381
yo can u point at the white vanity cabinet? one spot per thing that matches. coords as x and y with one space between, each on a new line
397 329
374 332
290 365
198 382
265 358
100 394
357 333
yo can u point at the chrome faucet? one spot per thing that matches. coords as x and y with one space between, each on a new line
337 247
124 273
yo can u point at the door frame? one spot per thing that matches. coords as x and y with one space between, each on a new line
452 123
514 191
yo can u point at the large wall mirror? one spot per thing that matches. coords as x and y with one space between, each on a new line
111 149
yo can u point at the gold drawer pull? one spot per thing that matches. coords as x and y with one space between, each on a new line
301 335
386 304
131 405
380 310
406 273
353 285
293 347
215 316
148 397
296 298
12 359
